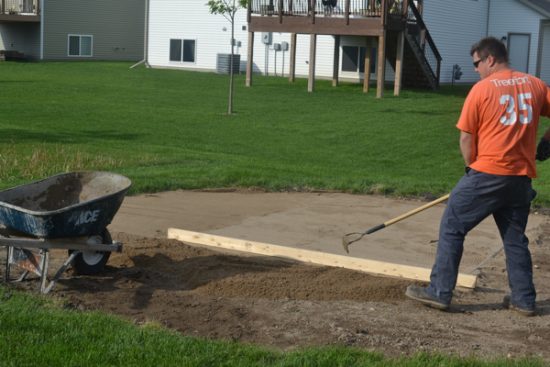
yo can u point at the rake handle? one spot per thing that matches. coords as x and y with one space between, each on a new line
376 228
407 214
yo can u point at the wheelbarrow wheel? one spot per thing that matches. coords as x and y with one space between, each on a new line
93 262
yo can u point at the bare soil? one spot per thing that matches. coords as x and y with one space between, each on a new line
283 304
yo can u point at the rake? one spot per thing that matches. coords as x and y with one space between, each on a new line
352 237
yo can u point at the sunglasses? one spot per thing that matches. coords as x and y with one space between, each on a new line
476 63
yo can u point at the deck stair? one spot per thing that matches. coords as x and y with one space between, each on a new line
422 61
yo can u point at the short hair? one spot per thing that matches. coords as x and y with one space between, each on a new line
491 46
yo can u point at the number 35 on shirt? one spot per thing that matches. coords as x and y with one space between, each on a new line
510 116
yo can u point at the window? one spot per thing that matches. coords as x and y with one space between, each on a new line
353 59
182 50
80 45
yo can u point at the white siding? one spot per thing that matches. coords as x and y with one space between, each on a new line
22 37
455 25
174 19
510 16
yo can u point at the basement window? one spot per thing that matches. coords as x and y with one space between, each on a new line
79 45
353 59
182 50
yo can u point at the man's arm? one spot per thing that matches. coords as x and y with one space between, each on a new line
466 147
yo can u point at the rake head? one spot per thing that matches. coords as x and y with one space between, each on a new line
350 238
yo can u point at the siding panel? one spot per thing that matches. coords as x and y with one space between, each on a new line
117 27
455 25
22 37
513 17
172 19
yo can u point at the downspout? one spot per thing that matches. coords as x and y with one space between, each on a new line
488 18
145 38
42 28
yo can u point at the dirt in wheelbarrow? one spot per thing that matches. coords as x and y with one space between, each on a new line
285 305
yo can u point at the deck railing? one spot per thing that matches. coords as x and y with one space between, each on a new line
20 7
327 8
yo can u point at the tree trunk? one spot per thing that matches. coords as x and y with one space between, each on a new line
231 72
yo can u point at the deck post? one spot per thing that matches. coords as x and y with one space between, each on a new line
366 71
336 61
292 66
312 49
399 63
381 65
3 7
250 61
346 11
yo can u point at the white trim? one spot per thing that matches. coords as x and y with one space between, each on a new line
80 45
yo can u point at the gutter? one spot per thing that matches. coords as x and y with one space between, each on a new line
145 38
42 29
535 7
488 18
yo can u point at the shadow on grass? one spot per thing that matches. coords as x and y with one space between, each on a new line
22 136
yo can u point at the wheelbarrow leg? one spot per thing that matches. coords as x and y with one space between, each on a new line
8 254
44 270
60 271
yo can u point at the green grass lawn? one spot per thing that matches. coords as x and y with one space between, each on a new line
36 332
167 129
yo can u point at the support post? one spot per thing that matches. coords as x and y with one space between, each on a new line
381 65
336 61
366 71
399 63
292 66
250 61
312 50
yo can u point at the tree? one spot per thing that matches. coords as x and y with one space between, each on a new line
228 8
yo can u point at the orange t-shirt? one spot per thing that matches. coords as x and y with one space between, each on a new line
502 114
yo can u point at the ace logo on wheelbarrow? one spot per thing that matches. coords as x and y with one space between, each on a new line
84 217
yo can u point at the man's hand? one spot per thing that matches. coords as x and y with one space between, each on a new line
543 150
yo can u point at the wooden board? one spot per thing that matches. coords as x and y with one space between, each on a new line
369 266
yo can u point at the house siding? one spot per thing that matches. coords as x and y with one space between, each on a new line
455 25
21 37
117 27
545 54
172 19
513 17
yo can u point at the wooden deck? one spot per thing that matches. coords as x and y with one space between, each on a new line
373 19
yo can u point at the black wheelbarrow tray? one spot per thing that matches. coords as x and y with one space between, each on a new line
68 211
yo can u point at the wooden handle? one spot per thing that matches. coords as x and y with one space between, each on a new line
417 210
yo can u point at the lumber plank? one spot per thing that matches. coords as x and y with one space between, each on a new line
374 267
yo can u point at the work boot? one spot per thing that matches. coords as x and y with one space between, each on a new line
507 303
421 295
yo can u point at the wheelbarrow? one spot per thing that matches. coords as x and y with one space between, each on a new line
68 211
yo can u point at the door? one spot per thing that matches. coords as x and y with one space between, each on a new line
518 51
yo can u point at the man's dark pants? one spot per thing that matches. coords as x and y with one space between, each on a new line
476 196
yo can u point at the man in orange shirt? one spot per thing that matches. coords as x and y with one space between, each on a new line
498 128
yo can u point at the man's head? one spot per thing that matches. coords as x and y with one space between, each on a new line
489 55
